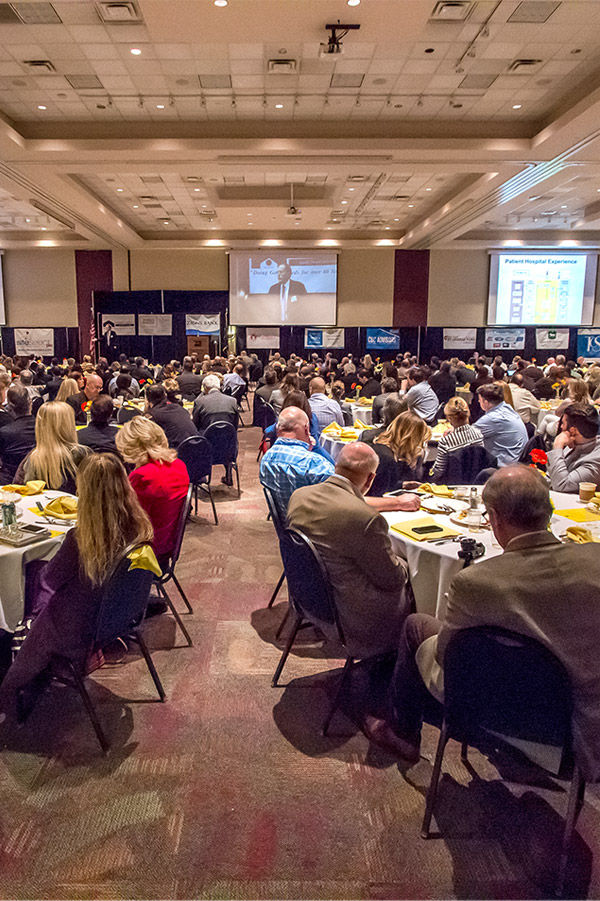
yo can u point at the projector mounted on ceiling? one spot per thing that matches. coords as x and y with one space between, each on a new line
334 45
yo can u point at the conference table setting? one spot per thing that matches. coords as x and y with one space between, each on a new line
41 519
430 539
334 437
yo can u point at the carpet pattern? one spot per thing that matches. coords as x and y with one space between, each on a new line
228 790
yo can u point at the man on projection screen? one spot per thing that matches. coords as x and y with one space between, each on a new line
287 288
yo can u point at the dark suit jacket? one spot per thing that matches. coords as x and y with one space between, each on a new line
175 421
76 401
295 288
190 385
98 438
16 440
371 388
215 407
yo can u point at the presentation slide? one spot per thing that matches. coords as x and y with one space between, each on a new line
542 288
283 288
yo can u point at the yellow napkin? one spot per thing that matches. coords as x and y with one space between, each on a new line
145 558
365 401
359 424
64 507
581 535
579 514
437 490
349 434
332 429
33 487
407 528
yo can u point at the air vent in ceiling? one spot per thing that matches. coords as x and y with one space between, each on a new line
452 10
534 11
210 214
401 197
282 66
524 65
39 65
193 179
152 179
215 81
118 13
477 82
356 178
85 82
37 13
338 214
8 16
346 80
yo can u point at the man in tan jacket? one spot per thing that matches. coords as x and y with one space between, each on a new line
370 583
538 587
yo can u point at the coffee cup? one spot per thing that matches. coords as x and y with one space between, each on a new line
586 491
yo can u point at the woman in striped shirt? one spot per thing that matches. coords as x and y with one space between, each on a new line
461 434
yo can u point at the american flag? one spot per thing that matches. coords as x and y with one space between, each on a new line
92 350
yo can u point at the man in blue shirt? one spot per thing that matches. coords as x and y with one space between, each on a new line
504 434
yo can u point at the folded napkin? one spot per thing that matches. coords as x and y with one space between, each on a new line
34 487
365 401
579 514
144 558
349 434
64 507
581 535
408 526
437 490
332 429
359 424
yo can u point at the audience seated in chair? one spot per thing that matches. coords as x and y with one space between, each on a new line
57 454
213 405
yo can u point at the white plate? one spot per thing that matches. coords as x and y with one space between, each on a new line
437 504
455 518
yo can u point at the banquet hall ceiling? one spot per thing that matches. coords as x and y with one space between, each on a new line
457 123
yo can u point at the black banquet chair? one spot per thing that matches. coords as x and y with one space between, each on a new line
279 525
501 683
265 416
121 612
196 453
464 465
168 566
222 437
313 604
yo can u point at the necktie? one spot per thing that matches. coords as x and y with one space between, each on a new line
283 296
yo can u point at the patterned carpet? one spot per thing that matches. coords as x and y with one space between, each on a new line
228 789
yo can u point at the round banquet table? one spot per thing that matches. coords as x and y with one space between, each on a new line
13 559
432 567
359 411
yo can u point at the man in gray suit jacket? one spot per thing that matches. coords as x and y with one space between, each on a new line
538 587
370 584
212 406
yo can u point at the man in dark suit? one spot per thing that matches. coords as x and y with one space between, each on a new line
190 385
287 288
172 418
213 406
17 438
100 434
91 389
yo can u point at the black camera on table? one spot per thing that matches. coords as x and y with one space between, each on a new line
470 550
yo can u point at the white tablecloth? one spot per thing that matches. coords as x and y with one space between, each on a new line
13 560
432 567
358 411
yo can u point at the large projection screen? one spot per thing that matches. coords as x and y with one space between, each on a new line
542 288
288 287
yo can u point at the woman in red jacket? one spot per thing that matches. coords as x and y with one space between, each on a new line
159 478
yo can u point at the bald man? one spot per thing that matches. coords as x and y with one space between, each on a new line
538 587
325 409
370 583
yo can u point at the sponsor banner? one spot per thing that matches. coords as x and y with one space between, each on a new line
551 338
323 337
37 341
155 324
504 338
261 338
383 339
121 323
588 343
201 324
460 338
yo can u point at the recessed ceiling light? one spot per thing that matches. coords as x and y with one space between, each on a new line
344 201
28 220
160 106
387 228
221 2
120 190
279 106
165 222
352 189
516 106
136 51
410 206
197 190
353 2
41 106
563 206
429 189
43 228
396 220
136 206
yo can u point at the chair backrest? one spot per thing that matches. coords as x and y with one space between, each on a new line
500 681
222 437
269 415
535 443
308 583
239 392
124 599
125 414
464 464
184 513
196 453
278 522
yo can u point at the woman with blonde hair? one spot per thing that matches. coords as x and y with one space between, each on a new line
460 434
68 387
400 451
159 479
577 392
70 586
57 454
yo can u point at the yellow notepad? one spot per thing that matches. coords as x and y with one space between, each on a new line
579 514
408 526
